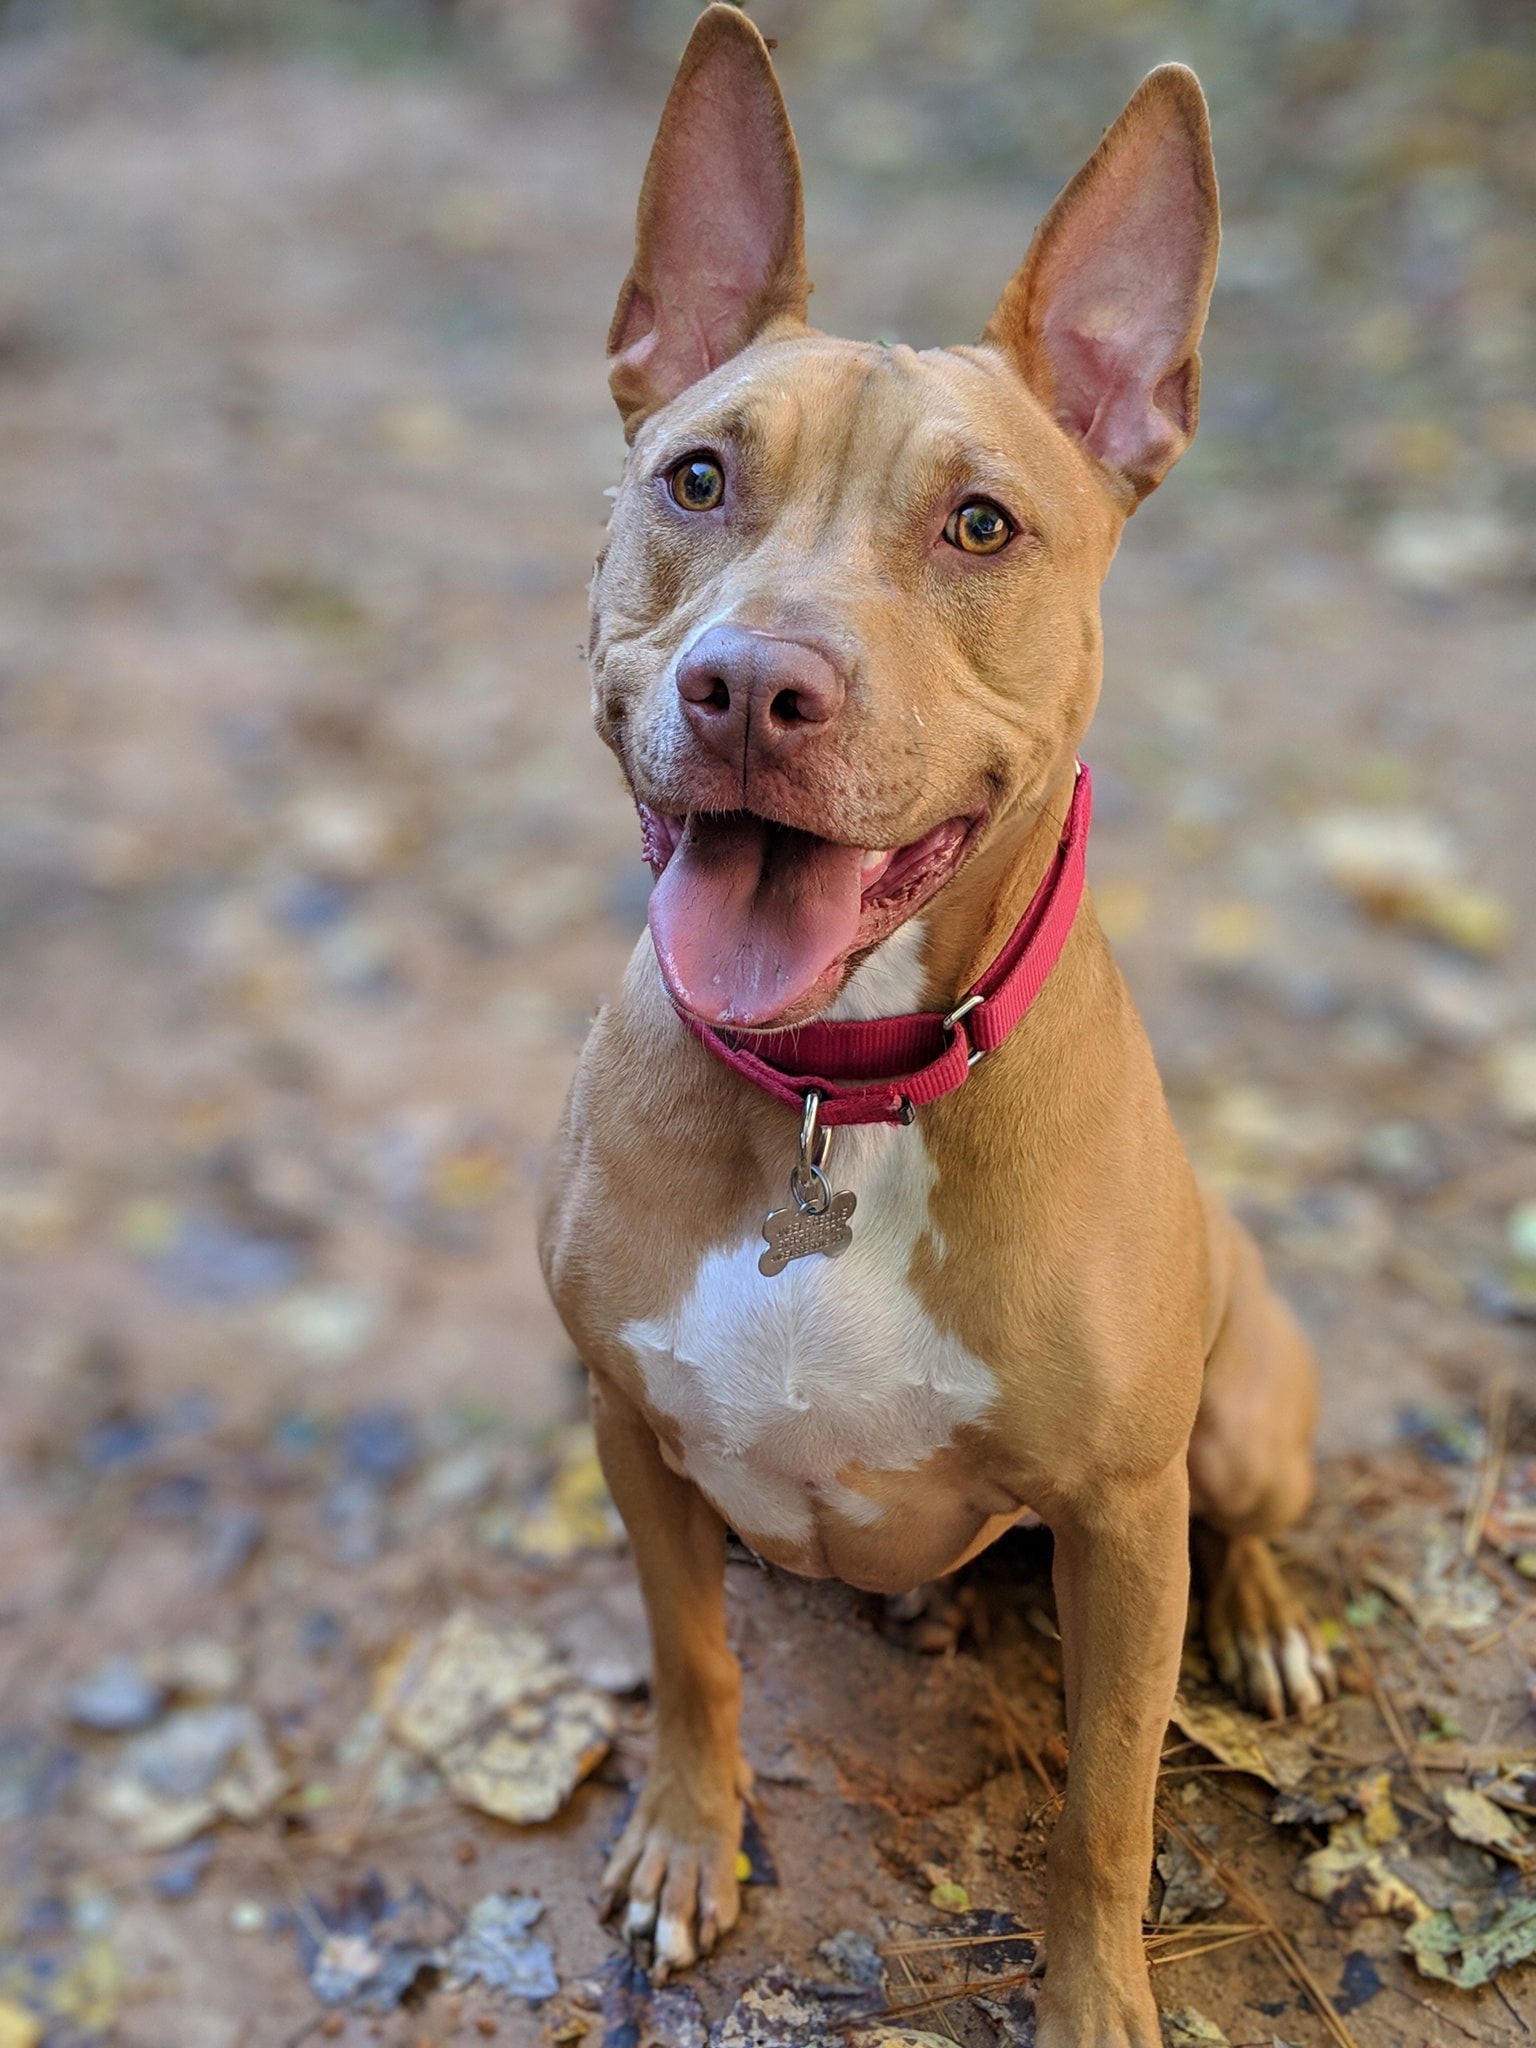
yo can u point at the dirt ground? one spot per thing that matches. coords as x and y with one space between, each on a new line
312 874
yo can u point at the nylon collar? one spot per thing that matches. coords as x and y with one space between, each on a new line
883 1070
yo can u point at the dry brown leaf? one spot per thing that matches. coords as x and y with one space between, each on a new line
500 1716
1475 1818
1280 1756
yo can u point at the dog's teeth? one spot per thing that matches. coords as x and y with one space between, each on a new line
876 858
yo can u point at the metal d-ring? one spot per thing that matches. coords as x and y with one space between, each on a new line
808 1183
950 1024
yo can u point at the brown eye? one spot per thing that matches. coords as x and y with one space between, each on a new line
979 528
698 484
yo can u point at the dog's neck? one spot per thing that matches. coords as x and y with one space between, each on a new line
967 927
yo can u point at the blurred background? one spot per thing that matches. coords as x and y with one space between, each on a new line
312 872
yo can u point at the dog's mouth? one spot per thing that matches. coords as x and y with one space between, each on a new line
755 923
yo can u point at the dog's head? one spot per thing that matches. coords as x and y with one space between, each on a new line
846 626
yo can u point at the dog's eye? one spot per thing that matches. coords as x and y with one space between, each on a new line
698 483
979 528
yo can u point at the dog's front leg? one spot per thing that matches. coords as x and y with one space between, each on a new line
674 1867
1122 1582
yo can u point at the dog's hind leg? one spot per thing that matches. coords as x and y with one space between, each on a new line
1250 1471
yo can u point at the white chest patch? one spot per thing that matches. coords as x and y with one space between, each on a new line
778 1385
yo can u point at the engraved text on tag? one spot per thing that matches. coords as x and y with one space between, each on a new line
795 1233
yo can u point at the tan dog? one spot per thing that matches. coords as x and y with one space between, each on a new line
845 643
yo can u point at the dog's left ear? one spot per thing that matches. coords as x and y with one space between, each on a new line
1103 317
719 244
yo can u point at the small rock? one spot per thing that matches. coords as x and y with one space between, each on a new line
213 1262
854 1957
1344 1229
179 1874
120 1443
115 1699
322 1633
325 1325
459 1477
378 1444
175 1497
197 1668
1403 1153
354 1512
229 1546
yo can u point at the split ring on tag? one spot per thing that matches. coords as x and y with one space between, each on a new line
818 1222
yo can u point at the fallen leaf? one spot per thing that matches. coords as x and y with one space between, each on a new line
1352 1878
1404 867
1474 1817
1186 2028
572 1512
1280 1756
1378 1816
1230 932
1188 1887
499 1716
1448 1593
634 2015
497 1948
780 2010
854 1957
198 1766
1441 1949
18 2027
87 1992
1512 1077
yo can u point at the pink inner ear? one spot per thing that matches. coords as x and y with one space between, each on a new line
1121 288
719 228
1103 397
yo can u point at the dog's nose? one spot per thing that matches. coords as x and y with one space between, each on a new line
747 693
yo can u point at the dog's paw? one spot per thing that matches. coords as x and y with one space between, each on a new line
932 1619
673 1873
1264 1645
1108 2015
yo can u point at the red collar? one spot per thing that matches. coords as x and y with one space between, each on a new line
882 1071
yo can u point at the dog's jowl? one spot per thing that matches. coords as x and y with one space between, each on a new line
868 1217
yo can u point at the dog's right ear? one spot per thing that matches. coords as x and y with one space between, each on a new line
719 243
1103 317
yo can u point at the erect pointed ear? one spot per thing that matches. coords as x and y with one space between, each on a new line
719 246
1103 317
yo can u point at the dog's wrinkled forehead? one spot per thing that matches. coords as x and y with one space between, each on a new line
882 434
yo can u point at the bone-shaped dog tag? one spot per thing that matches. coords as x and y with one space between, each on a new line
795 1233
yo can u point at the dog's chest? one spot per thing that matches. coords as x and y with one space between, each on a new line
784 1390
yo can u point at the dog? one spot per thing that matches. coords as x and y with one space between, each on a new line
867 1215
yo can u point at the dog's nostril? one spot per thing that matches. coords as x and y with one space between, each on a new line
719 698
785 708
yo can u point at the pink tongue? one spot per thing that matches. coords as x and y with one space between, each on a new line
747 917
